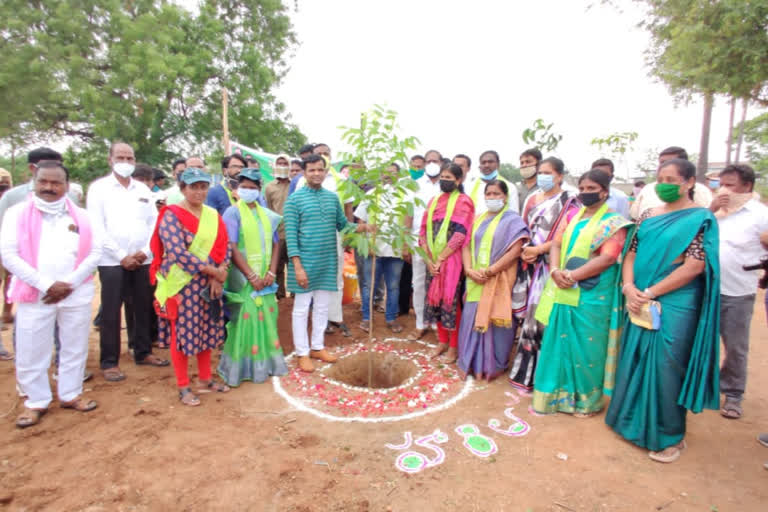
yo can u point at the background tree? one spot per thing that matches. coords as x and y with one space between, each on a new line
756 136
510 172
541 136
615 145
148 72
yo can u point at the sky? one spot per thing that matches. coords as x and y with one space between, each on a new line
466 76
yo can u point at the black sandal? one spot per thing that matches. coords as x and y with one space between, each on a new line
187 397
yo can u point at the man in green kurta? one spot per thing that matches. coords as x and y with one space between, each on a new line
312 216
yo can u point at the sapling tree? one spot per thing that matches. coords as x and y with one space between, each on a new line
374 146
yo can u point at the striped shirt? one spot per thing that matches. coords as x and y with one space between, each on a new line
312 217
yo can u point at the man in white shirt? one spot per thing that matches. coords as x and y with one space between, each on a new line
489 171
617 200
743 223
123 212
647 197
50 246
429 187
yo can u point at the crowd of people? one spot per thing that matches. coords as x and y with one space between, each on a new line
577 293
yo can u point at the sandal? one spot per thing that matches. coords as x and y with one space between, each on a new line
30 417
187 397
345 330
395 327
212 387
113 374
80 404
668 454
365 325
450 357
153 360
731 410
418 334
330 329
438 350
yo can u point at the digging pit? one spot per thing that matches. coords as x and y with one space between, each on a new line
389 370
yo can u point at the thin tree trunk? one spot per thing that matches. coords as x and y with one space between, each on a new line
741 129
729 140
372 289
706 124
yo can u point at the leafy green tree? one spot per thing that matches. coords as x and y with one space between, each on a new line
616 144
541 136
149 72
510 172
756 137
375 146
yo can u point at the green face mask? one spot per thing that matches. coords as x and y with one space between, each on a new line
668 192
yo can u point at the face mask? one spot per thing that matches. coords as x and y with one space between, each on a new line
494 205
416 173
447 186
528 172
281 172
432 169
668 192
57 207
713 184
123 169
589 198
489 177
546 182
3 188
249 195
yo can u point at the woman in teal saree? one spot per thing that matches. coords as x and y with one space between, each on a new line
663 373
579 306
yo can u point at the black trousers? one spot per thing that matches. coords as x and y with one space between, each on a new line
132 288
406 288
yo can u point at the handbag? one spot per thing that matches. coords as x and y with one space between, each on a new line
649 316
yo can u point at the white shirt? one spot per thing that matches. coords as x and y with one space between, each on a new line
476 192
387 220
426 191
740 245
124 217
618 202
647 198
56 256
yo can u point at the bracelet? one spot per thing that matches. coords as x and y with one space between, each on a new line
552 272
648 292
568 275
270 273
624 288
251 276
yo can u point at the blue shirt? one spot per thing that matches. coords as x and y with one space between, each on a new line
294 183
218 199
618 202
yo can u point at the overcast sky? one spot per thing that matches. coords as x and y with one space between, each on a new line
466 76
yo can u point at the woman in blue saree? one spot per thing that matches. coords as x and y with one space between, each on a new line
663 373
579 306
491 261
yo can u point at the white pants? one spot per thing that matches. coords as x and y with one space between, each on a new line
419 288
300 317
34 346
334 305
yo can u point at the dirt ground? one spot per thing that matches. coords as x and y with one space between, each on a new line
249 450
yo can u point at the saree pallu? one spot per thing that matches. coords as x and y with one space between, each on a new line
543 221
487 353
574 370
662 374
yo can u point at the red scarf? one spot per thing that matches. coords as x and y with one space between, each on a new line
190 223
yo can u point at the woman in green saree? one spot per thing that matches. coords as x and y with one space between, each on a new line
579 307
672 261
252 350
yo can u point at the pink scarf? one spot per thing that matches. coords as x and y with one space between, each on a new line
28 229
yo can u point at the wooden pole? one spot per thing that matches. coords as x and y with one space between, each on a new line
741 129
225 121
729 140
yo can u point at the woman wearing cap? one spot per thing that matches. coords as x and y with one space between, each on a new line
252 350
580 306
190 267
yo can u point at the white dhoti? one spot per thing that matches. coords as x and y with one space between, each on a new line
419 283
335 313
34 347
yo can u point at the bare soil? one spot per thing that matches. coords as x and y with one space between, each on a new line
249 450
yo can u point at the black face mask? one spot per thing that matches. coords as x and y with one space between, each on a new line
3 188
447 186
589 198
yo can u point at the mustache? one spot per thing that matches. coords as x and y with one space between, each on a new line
47 193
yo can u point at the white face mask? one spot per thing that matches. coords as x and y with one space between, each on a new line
281 171
123 169
57 207
528 171
432 169
494 205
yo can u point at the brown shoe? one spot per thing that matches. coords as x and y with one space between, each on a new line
323 355
305 364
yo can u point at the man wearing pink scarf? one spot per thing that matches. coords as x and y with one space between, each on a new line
48 245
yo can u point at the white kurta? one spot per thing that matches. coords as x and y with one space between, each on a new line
57 255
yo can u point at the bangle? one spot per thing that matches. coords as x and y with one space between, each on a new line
552 272
624 288
649 293
270 273
250 276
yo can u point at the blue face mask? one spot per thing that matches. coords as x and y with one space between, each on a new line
489 177
546 182
713 184
249 195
